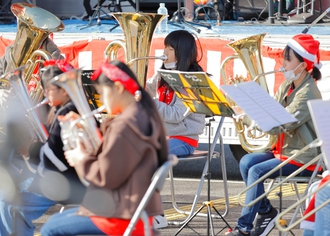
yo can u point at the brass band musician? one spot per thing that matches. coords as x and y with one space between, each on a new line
300 61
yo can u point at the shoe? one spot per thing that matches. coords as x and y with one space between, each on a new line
160 221
265 223
235 232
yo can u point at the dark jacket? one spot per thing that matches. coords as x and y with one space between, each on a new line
53 149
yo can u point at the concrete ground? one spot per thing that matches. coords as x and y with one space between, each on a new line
185 193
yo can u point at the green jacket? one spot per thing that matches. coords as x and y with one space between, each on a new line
302 132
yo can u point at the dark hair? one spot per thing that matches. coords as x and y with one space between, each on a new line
49 73
316 73
185 47
146 102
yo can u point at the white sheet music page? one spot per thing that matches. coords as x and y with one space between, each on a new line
259 105
320 112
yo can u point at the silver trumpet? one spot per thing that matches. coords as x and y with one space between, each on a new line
85 128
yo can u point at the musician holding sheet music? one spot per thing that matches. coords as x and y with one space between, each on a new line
182 127
300 61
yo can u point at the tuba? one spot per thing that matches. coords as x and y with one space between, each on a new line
85 128
249 51
138 29
34 26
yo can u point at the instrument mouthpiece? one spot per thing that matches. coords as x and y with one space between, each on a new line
163 57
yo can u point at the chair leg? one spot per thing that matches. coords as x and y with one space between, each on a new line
196 198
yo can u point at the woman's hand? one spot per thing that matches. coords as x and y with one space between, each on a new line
237 110
74 156
69 117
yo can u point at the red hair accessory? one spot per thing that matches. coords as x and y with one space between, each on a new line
114 73
63 65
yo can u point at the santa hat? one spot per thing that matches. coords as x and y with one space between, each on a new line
308 48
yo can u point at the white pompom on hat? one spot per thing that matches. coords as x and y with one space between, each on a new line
308 48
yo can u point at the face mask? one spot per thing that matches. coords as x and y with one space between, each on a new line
290 76
171 65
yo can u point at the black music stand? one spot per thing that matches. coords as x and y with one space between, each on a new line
96 15
200 95
179 21
137 9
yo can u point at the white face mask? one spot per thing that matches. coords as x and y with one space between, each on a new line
171 65
290 76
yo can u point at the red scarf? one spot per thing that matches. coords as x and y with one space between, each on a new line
165 94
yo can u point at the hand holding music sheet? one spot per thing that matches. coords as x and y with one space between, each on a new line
258 105
320 112
198 92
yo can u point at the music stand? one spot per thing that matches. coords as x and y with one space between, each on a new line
178 20
137 9
200 95
96 15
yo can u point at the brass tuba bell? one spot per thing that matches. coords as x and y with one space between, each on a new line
249 51
138 29
34 26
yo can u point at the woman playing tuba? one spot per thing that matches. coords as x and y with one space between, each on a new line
300 59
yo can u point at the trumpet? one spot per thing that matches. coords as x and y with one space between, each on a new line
315 143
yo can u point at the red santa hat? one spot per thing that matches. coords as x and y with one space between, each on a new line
308 48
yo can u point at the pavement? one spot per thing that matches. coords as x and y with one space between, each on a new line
185 193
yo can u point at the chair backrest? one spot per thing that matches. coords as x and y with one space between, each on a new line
157 183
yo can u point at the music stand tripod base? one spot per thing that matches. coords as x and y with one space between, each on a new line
179 19
96 16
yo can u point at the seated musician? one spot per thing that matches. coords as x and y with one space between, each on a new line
120 171
300 58
182 127
55 181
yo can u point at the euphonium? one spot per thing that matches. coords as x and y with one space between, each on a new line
34 26
36 130
138 29
249 51
85 128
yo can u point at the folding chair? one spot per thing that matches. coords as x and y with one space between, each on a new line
198 155
294 181
156 185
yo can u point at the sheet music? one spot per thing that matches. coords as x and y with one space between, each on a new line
258 105
320 112
198 92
